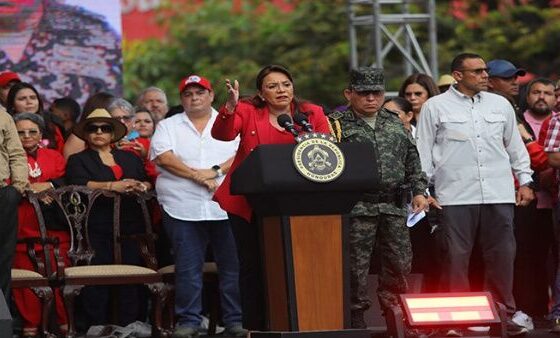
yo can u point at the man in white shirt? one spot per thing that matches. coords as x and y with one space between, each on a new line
469 145
192 165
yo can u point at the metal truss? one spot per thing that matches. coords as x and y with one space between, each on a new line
378 26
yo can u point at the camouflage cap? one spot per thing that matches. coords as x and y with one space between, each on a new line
367 78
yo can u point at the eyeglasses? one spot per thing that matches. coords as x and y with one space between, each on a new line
477 71
370 92
28 132
93 128
123 118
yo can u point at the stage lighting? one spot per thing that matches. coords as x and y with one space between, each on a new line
446 310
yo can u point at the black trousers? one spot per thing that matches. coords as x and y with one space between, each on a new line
251 276
9 200
491 227
534 236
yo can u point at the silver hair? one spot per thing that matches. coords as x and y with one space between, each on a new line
147 90
120 103
35 118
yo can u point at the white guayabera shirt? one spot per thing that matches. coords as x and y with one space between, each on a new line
470 146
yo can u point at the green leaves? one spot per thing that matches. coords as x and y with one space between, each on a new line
526 35
214 41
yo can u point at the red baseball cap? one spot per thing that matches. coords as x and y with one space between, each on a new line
196 80
7 77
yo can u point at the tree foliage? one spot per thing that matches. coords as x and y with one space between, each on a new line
526 35
212 41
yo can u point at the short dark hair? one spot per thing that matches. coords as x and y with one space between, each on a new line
403 103
69 105
457 63
271 69
256 99
541 80
97 100
142 109
423 80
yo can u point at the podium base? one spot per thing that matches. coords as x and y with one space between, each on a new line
314 334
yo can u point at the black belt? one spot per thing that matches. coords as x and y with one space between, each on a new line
384 197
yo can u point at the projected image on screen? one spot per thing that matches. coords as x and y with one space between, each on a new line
61 48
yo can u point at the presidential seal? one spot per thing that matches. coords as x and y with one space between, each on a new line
318 159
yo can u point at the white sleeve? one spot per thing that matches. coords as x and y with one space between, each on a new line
161 140
426 129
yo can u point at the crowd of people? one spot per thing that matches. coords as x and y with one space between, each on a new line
473 150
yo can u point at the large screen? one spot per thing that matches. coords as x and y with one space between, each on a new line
63 47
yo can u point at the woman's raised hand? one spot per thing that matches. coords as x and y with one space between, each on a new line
233 95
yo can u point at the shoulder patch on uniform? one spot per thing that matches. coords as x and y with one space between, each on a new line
336 115
390 112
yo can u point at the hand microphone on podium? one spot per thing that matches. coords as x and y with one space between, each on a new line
301 119
285 121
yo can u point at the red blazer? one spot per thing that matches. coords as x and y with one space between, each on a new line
249 122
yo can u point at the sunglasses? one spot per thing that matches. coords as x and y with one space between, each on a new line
28 132
477 71
93 128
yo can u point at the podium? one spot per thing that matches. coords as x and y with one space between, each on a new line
304 235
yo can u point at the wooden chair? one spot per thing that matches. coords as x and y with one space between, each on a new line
77 203
40 279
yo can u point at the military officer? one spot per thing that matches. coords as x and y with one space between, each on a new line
380 215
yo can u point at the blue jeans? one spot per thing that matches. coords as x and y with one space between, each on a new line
190 239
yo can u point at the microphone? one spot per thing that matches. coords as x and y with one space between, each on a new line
301 119
285 121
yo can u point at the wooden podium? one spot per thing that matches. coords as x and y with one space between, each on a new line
304 235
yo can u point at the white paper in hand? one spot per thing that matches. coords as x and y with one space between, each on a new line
414 218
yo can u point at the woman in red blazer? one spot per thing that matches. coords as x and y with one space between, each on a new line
255 121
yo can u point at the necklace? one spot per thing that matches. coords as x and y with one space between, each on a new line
35 170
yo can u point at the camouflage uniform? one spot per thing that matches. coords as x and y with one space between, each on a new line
73 52
381 215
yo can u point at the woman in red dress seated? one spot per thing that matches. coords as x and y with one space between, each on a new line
46 171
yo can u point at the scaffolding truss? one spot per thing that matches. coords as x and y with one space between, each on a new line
389 25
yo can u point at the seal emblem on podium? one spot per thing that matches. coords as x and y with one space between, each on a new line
317 157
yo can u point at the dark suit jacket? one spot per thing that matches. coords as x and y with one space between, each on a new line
87 166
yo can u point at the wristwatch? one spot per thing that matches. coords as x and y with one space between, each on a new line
218 170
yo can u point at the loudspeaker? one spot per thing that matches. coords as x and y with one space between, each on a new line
313 334
5 318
